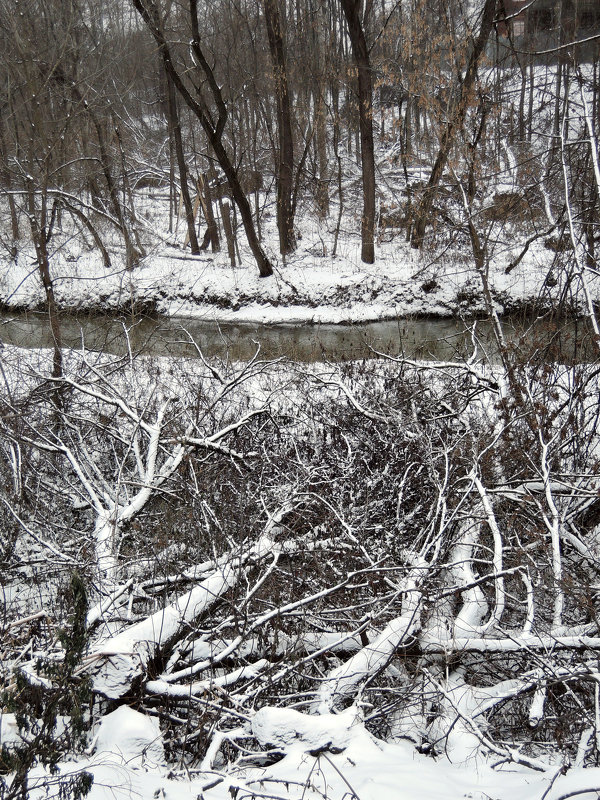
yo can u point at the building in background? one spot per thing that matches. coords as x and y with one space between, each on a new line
542 25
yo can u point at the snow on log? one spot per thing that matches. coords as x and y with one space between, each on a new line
122 658
510 645
201 687
132 736
342 681
283 644
285 728
117 661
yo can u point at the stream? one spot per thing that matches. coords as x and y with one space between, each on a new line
425 338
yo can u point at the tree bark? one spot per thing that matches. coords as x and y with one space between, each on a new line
226 215
360 52
212 232
14 218
322 68
285 166
41 234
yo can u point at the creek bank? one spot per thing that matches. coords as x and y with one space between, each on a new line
340 306
306 289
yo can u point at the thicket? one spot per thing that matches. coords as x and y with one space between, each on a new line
416 541
413 540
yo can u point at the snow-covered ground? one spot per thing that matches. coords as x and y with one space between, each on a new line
330 759
326 756
309 287
529 258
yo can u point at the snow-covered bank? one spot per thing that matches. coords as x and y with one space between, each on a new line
311 287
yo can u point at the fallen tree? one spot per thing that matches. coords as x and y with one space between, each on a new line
402 540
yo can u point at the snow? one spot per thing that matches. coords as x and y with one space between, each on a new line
128 760
125 655
285 727
9 730
307 289
366 768
133 736
325 755
308 286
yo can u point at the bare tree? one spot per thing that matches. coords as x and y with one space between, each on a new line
285 166
360 52
456 118
369 545
149 11
175 129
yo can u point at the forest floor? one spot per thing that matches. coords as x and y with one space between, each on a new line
528 267
127 759
309 288
312 285
128 762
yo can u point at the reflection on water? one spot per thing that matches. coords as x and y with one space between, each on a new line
428 339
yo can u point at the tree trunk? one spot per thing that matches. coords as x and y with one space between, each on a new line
41 237
148 10
321 147
132 255
323 68
285 166
227 227
14 218
212 231
454 124
86 222
175 128
360 53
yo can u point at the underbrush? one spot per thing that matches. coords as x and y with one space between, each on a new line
418 541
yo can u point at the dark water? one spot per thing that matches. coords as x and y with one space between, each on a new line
429 339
